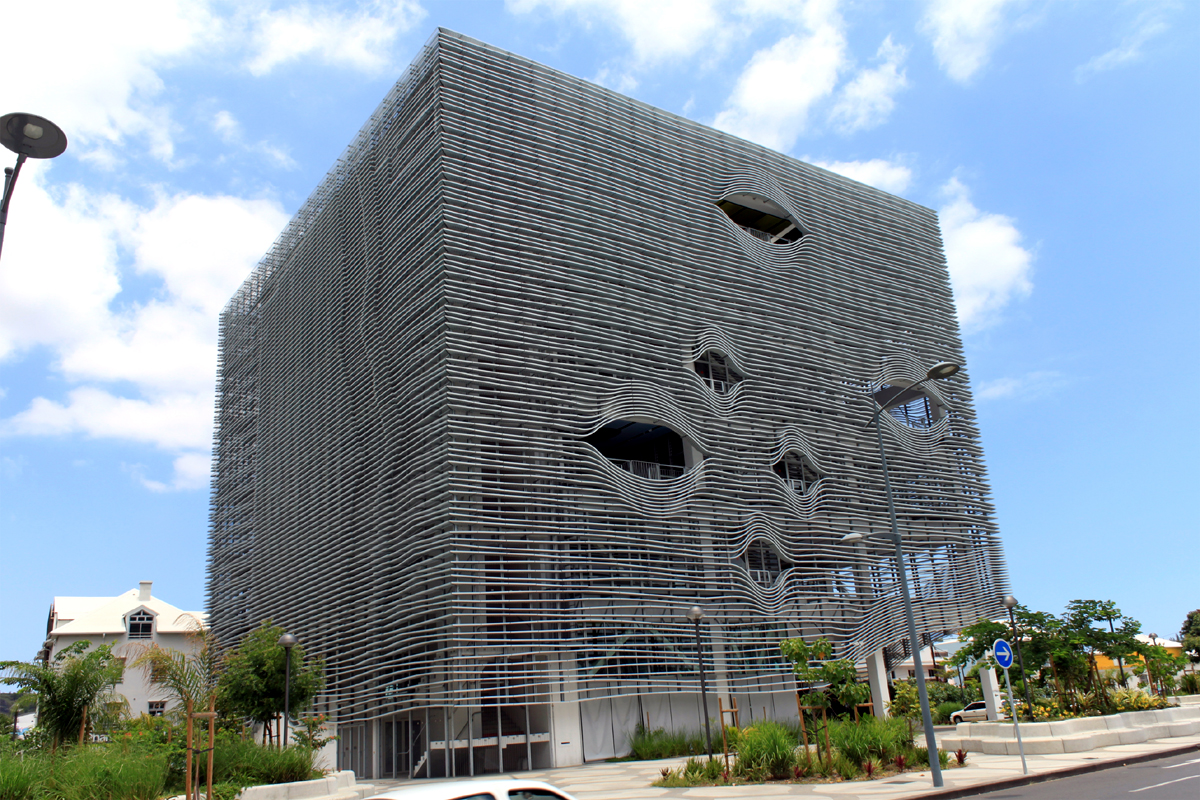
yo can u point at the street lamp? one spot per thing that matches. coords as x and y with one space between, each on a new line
939 371
1010 603
695 614
287 642
29 136
1149 675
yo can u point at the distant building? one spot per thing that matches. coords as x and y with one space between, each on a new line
129 621
536 368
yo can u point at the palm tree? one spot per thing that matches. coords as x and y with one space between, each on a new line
191 677
76 681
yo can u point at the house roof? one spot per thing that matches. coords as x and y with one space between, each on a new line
1161 642
80 616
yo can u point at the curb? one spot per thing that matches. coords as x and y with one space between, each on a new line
1042 777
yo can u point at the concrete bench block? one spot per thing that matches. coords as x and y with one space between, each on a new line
1132 735
1116 722
1185 728
952 742
1032 729
1105 738
1159 731
1040 746
994 747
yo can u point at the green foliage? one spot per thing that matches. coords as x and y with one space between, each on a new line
812 665
1189 636
246 763
1136 700
187 676
766 748
252 684
905 702
22 778
942 712
1189 683
310 732
648 745
847 767
76 681
870 738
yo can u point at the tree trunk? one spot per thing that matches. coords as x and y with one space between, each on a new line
187 772
83 725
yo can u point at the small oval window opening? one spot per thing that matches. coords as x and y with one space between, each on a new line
764 562
797 472
643 448
716 371
761 218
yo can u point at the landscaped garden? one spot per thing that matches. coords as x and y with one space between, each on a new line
87 747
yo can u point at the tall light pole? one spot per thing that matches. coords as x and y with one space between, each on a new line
287 642
1149 675
938 371
695 614
1010 603
29 136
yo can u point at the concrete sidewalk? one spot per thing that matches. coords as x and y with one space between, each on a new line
630 780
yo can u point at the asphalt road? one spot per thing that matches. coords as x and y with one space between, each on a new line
1175 778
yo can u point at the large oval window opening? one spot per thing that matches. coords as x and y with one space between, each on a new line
761 218
910 407
643 448
764 562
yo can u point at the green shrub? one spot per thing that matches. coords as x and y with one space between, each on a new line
246 763
942 712
659 743
870 738
1189 683
101 772
768 748
21 778
847 767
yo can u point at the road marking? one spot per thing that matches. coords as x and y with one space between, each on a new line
1167 783
1183 764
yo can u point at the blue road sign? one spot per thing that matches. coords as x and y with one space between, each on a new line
1003 652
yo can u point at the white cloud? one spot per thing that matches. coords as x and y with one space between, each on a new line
781 84
868 100
144 372
190 472
964 34
880 173
227 127
657 31
361 40
988 266
1024 387
96 68
1148 25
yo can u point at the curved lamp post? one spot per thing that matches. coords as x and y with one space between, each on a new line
287 642
1149 676
29 136
939 371
695 614
1010 603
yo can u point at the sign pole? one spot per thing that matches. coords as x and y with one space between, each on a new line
1004 657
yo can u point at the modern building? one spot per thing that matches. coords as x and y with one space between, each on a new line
130 622
538 367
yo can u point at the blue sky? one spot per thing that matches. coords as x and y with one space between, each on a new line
1057 139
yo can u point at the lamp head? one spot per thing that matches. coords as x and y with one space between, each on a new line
1010 602
942 370
852 537
31 135
695 613
288 641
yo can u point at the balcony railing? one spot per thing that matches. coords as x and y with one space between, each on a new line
648 469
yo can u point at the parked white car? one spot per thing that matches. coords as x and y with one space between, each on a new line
973 712
497 789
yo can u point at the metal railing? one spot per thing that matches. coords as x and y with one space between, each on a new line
648 469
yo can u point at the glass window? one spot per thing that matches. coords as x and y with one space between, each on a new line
141 625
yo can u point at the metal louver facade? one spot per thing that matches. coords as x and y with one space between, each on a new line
466 450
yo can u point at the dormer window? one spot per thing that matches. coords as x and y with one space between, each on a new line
910 407
643 448
716 371
761 218
797 472
141 625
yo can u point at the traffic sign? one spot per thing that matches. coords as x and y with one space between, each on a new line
1004 653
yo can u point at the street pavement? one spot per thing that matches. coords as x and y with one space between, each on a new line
630 780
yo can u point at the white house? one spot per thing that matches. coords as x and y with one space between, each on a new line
130 621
